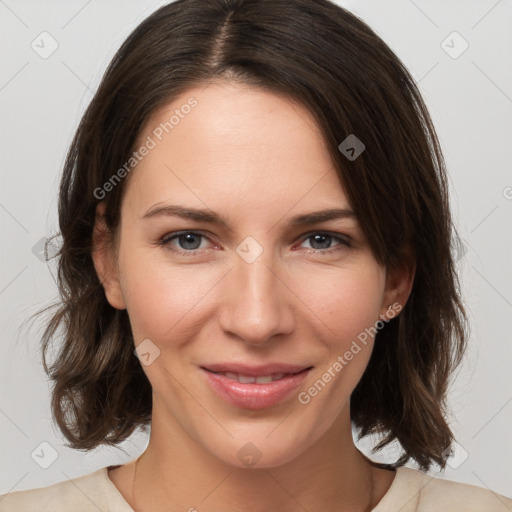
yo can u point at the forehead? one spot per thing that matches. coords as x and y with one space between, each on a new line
226 141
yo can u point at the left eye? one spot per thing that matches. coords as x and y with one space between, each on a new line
190 241
325 238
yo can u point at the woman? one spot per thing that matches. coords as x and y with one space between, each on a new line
256 257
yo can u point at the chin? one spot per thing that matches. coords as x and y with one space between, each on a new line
261 450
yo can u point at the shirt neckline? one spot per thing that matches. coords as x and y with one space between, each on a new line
114 494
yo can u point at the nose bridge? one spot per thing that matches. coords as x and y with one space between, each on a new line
255 307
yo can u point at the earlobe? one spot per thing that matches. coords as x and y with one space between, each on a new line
104 260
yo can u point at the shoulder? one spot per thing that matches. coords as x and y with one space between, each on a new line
415 491
88 493
455 496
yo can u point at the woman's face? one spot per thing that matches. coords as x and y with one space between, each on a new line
260 293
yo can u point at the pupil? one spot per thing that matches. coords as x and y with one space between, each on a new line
189 239
325 244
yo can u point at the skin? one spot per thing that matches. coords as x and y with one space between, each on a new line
257 159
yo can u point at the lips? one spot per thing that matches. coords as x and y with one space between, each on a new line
254 387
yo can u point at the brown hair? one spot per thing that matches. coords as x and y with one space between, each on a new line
336 66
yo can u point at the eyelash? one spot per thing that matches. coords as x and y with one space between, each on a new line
166 240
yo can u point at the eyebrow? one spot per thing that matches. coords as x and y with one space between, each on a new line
207 215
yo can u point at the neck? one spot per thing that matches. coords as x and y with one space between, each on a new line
175 470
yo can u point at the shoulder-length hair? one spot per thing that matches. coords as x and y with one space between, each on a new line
338 68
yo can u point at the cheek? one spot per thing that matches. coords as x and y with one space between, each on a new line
161 299
346 300
348 306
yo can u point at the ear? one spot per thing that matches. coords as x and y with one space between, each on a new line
103 255
399 281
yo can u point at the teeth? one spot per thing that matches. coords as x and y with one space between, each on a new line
246 379
264 379
278 376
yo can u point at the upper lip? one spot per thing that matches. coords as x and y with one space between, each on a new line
255 371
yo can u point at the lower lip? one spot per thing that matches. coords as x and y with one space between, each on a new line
254 396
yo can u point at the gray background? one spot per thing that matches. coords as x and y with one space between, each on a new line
469 95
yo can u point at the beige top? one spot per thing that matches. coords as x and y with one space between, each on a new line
411 491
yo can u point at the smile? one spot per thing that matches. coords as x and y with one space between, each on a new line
254 392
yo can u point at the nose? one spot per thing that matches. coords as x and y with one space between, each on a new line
257 303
